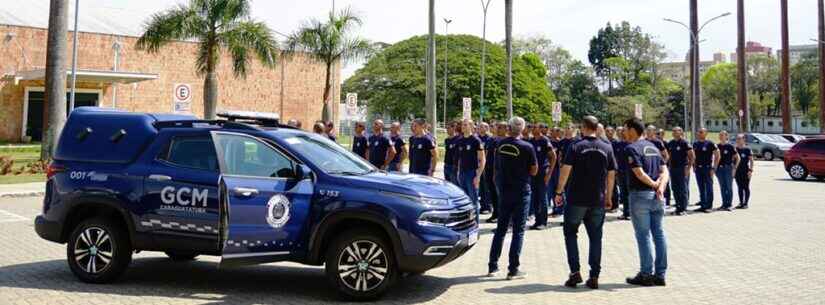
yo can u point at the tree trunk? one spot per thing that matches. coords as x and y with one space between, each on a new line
210 95
325 113
54 110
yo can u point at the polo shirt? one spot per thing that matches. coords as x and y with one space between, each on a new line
591 159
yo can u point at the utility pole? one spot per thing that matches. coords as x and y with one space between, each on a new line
821 14
785 78
54 112
695 91
485 6
741 70
74 55
446 63
508 45
432 115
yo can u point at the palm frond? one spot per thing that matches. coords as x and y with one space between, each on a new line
179 23
249 36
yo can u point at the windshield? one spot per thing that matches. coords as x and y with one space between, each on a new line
327 155
772 138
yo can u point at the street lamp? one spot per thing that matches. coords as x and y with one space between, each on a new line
74 55
485 6
446 67
696 99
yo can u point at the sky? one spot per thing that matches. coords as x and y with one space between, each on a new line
569 23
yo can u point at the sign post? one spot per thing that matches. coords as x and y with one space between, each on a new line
182 100
352 103
556 112
467 104
639 112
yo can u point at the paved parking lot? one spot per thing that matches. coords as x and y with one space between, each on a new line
769 254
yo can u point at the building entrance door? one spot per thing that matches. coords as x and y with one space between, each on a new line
34 110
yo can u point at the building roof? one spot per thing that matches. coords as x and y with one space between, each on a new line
93 17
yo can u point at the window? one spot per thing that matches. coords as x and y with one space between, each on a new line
247 156
819 145
328 156
192 152
804 123
770 123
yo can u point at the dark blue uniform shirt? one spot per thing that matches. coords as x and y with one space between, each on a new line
399 143
542 145
468 148
359 146
726 152
678 150
332 137
421 154
490 152
450 151
379 145
643 154
744 160
618 153
513 160
704 153
591 158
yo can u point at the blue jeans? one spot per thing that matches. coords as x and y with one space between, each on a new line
450 174
466 179
648 215
725 175
705 182
621 179
593 219
679 184
394 167
488 191
513 207
538 202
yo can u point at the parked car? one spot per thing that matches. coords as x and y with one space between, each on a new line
247 189
767 146
793 138
806 158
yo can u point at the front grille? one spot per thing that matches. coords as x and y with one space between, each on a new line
464 217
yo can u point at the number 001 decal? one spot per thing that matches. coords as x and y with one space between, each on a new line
278 210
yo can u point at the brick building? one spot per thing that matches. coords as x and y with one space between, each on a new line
112 73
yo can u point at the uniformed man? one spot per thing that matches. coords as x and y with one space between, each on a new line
621 172
470 161
555 140
330 131
400 147
502 131
423 150
381 149
359 140
654 136
318 128
515 164
610 133
528 131
591 168
450 153
647 184
546 160
485 188
564 144
744 171
679 165
728 161
707 159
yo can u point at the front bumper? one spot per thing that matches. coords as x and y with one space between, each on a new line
48 230
439 254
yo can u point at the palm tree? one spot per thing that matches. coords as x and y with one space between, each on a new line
330 42
214 24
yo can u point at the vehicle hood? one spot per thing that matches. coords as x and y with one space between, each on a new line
408 184
783 146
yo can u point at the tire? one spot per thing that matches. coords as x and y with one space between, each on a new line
360 279
768 155
181 256
104 260
798 172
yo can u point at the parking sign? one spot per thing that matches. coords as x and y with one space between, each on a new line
639 111
182 100
352 103
467 104
556 112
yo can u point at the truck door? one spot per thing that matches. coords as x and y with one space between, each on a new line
266 200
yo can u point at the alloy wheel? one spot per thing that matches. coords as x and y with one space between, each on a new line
797 171
362 265
93 250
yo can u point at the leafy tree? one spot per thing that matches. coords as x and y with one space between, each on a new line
763 85
330 42
579 93
556 59
602 47
215 24
719 90
393 81
638 52
805 82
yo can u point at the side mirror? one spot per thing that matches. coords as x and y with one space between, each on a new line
302 172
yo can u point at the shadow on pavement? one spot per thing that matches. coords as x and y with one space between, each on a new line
205 282
542 288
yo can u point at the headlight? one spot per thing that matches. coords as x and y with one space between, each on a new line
422 200
434 218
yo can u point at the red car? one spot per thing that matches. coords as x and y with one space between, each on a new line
806 158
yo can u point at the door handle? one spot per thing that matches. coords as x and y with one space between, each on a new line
160 177
245 192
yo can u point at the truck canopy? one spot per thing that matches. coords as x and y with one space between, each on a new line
94 134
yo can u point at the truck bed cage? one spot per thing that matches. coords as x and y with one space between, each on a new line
228 124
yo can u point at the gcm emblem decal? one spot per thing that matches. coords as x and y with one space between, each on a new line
277 211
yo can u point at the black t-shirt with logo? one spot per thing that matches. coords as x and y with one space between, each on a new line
744 160
359 146
490 146
726 152
704 153
660 145
379 145
421 154
451 150
678 150
513 160
542 145
398 143
591 158
643 154
468 148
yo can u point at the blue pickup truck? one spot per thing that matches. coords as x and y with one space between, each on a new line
247 189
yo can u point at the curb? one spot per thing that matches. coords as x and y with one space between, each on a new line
22 194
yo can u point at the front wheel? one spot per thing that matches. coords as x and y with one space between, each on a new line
798 172
98 251
360 265
768 155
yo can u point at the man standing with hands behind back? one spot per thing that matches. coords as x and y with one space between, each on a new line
381 149
591 167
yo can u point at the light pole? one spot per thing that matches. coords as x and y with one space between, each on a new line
696 97
508 45
446 67
485 6
785 67
430 103
74 55
821 30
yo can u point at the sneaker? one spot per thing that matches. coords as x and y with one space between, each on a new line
678 213
553 215
493 272
575 279
516 275
659 281
538 228
623 217
641 280
727 209
745 207
742 207
492 220
485 212
701 210
592 283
